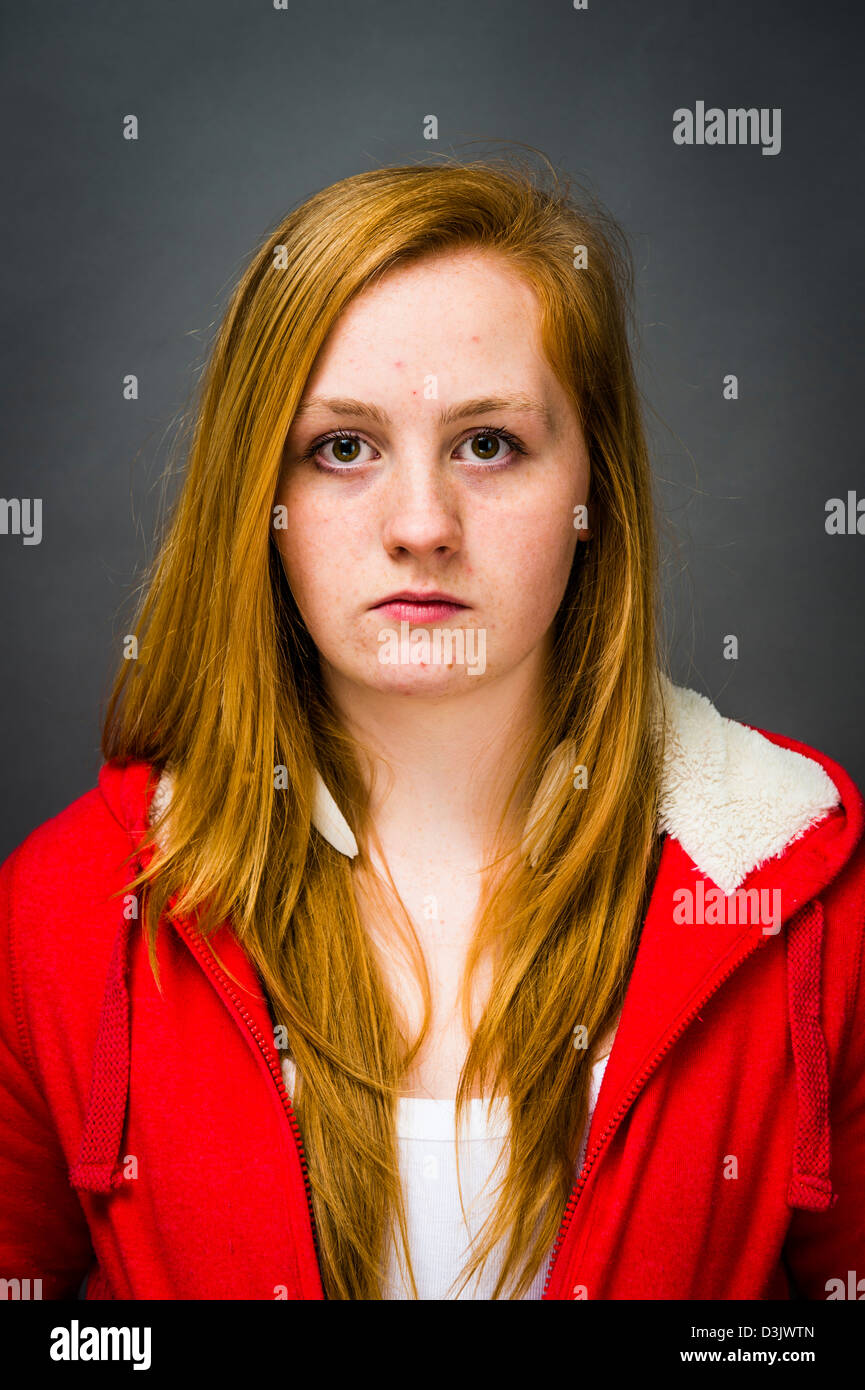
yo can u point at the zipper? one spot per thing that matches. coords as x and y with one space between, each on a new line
573 1200
207 959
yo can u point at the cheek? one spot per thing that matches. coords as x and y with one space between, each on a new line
320 550
532 552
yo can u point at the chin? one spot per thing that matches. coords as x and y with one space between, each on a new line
423 681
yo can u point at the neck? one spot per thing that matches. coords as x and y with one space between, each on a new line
441 766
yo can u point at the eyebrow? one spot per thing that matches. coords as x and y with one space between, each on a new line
481 405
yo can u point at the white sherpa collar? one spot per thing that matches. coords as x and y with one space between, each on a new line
730 796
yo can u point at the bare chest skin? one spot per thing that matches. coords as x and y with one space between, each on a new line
442 903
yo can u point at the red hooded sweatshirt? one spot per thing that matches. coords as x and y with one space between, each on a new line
148 1141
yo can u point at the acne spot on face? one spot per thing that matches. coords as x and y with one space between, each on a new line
397 364
475 338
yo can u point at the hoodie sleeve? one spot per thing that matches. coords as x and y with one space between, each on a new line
825 1250
43 1230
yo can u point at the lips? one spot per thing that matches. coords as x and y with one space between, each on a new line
419 606
420 596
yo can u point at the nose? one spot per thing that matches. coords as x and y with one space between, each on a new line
421 510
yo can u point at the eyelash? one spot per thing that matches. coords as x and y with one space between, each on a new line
495 430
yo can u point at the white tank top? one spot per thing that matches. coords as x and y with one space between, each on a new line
439 1236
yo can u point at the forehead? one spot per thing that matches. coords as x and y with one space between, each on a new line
458 286
461 322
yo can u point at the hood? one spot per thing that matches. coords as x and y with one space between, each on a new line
739 806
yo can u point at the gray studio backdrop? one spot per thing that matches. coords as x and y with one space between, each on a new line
118 257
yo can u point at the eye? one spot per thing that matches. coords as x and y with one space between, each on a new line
485 446
346 446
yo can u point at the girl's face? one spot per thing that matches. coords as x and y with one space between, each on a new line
434 450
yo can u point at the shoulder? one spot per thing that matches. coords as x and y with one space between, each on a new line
751 804
81 842
60 887
721 759
756 809
736 795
